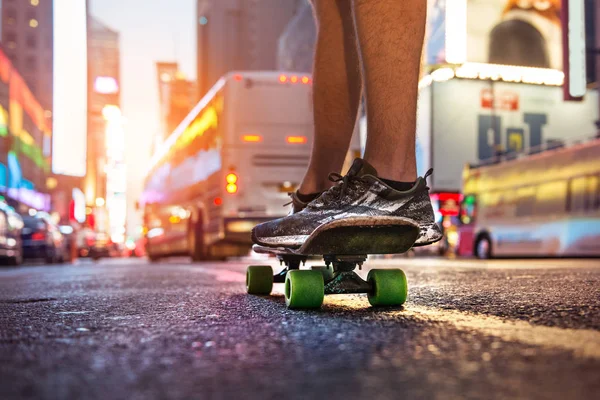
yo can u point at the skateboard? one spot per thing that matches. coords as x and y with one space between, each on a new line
343 249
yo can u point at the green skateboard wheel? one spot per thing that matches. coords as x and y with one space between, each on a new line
327 272
304 289
390 287
259 279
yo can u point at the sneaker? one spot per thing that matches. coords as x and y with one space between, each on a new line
358 194
297 204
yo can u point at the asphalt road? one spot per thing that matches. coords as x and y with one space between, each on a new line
127 329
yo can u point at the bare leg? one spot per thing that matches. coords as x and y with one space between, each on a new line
336 91
390 36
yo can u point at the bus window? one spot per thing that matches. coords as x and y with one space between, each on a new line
468 210
525 201
593 193
551 198
578 194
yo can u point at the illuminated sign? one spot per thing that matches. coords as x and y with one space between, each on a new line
39 201
23 119
448 203
521 33
78 207
106 85
70 88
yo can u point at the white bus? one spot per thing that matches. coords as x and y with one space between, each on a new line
544 204
229 165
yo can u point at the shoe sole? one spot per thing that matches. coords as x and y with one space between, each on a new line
357 235
434 236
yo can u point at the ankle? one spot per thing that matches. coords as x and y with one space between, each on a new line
399 173
309 186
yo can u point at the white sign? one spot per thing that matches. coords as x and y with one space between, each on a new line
469 121
69 131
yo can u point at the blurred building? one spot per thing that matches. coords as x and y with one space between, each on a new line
297 43
177 97
25 141
239 35
166 72
26 30
105 132
182 100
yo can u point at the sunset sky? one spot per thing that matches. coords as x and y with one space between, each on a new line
151 30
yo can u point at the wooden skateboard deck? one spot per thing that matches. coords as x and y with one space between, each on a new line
354 236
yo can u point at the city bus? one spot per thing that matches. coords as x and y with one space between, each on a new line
536 205
228 166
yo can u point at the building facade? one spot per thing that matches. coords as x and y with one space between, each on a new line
177 96
239 35
26 36
181 101
166 72
25 141
105 141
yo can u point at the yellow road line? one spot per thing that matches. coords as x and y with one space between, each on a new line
582 342
483 264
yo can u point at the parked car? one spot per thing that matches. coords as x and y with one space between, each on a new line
92 244
11 225
42 239
102 246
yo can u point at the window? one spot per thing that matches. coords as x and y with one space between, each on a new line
30 63
525 201
11 16
593 192
11 37
577 194
551 198
584 193
31 41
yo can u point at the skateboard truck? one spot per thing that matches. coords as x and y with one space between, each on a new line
339 276
344 279
291 262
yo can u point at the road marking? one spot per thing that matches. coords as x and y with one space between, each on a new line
582 342
483 264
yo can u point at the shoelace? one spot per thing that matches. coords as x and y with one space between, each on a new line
291 194
335 192
338 191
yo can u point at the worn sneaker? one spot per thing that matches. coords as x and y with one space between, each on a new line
358 194
297 204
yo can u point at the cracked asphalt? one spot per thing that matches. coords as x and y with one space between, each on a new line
129 329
